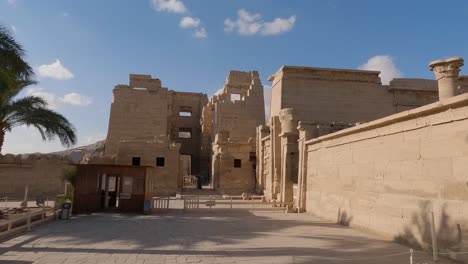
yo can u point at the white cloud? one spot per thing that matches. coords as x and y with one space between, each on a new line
11 2
171 6
76 99
200 33
55 71
177 6
65 14
384 64
189 22
56 102
13 28
248 24
51 99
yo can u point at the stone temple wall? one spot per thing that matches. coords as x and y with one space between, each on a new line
43 174
388 174
329 99
138 110
144 110
234 112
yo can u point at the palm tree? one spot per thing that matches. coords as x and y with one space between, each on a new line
15 75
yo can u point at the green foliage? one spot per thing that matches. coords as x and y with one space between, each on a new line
15 75
69 174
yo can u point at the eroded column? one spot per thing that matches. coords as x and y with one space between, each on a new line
447 73
289 153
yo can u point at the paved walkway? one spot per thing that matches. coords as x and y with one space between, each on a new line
200 237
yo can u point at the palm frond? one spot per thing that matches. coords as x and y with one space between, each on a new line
32 111
11 55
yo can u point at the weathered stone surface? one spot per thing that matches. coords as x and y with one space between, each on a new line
144 110
231 126
43 174
394 182
333 100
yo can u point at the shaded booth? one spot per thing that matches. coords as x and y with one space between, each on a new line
111 187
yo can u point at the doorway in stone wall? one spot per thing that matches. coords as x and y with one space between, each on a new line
110 189
186 161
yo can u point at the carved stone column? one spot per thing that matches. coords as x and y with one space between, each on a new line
447 73
218 149
289 153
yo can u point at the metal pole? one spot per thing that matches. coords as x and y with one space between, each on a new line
411 256
434 238
26 195
29 221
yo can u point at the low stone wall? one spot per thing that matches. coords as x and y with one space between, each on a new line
388 175
43 174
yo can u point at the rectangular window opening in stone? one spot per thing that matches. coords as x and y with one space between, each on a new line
136 161
160 162
237 163
184 113
185 132
235 97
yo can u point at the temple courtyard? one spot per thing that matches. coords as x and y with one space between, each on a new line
201 237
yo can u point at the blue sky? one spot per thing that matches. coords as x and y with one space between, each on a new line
81 49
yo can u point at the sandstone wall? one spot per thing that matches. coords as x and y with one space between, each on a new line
137 110
233 131
386 175
239 117
166 177
43 174
463 84
229 178
193 103
333 99
347 96
205 142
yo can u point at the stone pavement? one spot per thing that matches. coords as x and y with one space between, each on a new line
201 237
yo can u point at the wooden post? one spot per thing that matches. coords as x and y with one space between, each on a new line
231 202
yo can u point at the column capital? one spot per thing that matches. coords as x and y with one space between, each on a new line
448 68
288 121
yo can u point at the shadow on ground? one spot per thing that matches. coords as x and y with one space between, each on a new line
238 235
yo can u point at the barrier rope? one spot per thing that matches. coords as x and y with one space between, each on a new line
353 259
443 253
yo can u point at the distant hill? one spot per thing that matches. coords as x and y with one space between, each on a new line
88 151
